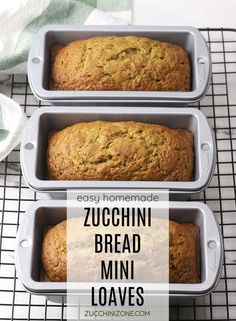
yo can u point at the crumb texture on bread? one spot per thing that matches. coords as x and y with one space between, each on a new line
120 151
184 253
120 63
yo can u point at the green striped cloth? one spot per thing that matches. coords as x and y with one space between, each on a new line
21 19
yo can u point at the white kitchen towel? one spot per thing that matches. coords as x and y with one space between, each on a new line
21 19
12 122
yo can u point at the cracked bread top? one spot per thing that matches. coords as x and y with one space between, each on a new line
129 150
120 63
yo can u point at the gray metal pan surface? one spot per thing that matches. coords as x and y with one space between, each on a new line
45 120
187 37
44 213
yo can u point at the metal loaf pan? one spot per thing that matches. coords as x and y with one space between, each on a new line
44 213
187 37
45 120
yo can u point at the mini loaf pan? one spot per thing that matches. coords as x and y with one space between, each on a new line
187 37
46 120
50 212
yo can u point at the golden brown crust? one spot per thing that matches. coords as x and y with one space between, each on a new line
120 63
183 252
120 151
53 253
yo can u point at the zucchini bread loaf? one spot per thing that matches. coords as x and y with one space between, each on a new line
183 252
120 151
120 63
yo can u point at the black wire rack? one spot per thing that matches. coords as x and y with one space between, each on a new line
219 106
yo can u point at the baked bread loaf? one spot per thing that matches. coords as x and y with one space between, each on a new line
183 252
120 63
120 151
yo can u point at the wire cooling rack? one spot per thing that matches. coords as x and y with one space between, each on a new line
220 107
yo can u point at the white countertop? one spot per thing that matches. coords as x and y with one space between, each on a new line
197 13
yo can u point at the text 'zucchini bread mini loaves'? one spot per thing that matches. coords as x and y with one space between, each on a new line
120 151
78 251
120 63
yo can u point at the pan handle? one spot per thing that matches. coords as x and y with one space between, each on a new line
203 64
24 250
206 151
213 248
